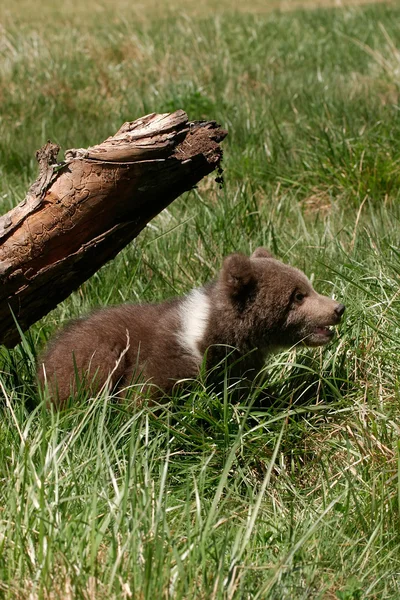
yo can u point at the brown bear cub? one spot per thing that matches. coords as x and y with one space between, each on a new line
257 305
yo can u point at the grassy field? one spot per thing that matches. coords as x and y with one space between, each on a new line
298 497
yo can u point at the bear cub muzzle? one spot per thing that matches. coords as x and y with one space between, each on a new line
256 306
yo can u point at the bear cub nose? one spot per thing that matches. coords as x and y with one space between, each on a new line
339 310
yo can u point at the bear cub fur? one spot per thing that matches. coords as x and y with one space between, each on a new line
257 305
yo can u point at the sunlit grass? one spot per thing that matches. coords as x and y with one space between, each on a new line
294 493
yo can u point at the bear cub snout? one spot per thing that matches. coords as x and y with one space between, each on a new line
257 305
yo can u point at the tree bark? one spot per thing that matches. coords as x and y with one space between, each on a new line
80 213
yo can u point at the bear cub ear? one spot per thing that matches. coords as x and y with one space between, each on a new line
261 253
237 274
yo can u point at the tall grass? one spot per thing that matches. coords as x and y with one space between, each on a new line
295 493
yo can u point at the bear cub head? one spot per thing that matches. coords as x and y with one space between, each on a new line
276 302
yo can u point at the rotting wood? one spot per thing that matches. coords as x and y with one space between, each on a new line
80 213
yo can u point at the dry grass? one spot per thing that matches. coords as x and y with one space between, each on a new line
73 11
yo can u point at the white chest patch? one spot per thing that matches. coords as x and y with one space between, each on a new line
194 316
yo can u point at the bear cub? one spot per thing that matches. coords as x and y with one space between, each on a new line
257 305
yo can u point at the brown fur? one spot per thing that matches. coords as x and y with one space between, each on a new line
256 306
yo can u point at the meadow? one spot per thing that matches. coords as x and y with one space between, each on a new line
294 493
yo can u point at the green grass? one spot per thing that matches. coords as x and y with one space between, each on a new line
297 497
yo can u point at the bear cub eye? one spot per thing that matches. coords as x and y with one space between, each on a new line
299 297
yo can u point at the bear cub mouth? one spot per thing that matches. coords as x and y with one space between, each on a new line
324 331
321 335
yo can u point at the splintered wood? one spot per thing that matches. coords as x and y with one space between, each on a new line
80 213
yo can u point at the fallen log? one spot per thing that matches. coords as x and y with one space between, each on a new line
81 212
